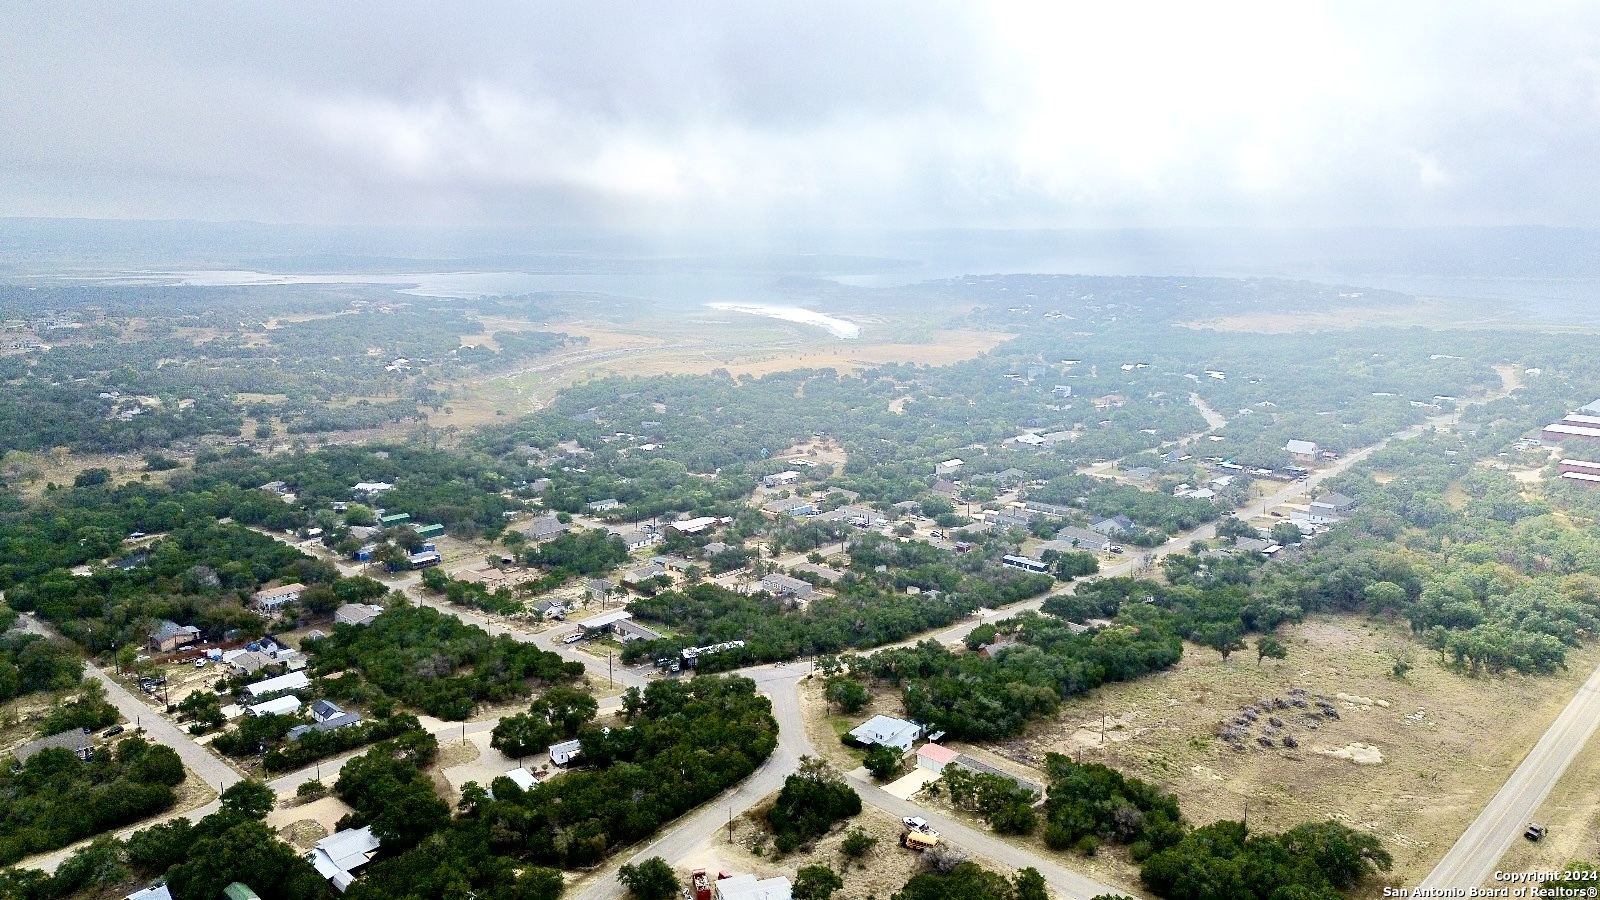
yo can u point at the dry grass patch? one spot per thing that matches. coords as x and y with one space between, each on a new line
1445 740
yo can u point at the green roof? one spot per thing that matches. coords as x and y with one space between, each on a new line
237 891
430 530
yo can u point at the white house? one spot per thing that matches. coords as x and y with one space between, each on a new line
337 856
948 467
357 613
278 597
523 778
748 887
780 479
886 731
288 704
290 682
1302 449
564 753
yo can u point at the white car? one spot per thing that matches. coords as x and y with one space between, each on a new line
573 638
917 823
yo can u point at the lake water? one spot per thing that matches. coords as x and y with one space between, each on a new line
838 327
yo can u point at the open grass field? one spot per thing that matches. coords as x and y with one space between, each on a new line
1410 760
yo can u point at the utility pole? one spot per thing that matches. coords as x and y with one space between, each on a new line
609 682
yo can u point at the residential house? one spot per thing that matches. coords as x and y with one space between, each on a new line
715 547
886 731
1030 439
293 681
371 487
628 630
859 516
323 710
948 467
695 525
1025 563
784 586
1333 505
522 778
333 723
945 487
604 505
564 753
74 740
1112 526
749 887
780 479
288 704
1048 509
1084 539
1251 545
169 636
357 613
638 538
154 892
276 598
1011 518
1305 451
544 528
643 573
249 662
603 623
600 588
674 563
549 606
790 506
822 572
337 856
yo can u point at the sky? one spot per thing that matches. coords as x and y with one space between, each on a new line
739 115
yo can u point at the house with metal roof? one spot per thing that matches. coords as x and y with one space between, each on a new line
169 635
290 682
337 856
887 731
74 740
357 613
786 586
286 705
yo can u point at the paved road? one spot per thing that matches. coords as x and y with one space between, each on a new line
782 685
1471 861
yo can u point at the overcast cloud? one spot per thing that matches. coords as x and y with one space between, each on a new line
747 115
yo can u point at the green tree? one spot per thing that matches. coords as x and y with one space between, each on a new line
816 882
846 693
1222 637
1269 646
250 799
857 843
652 879
883 762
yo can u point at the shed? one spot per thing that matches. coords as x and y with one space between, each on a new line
430 531
523 778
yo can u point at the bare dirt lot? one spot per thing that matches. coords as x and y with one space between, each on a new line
1411 761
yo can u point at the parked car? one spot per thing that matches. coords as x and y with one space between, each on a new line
113 731
1535 832
573 638
916 823
200 663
